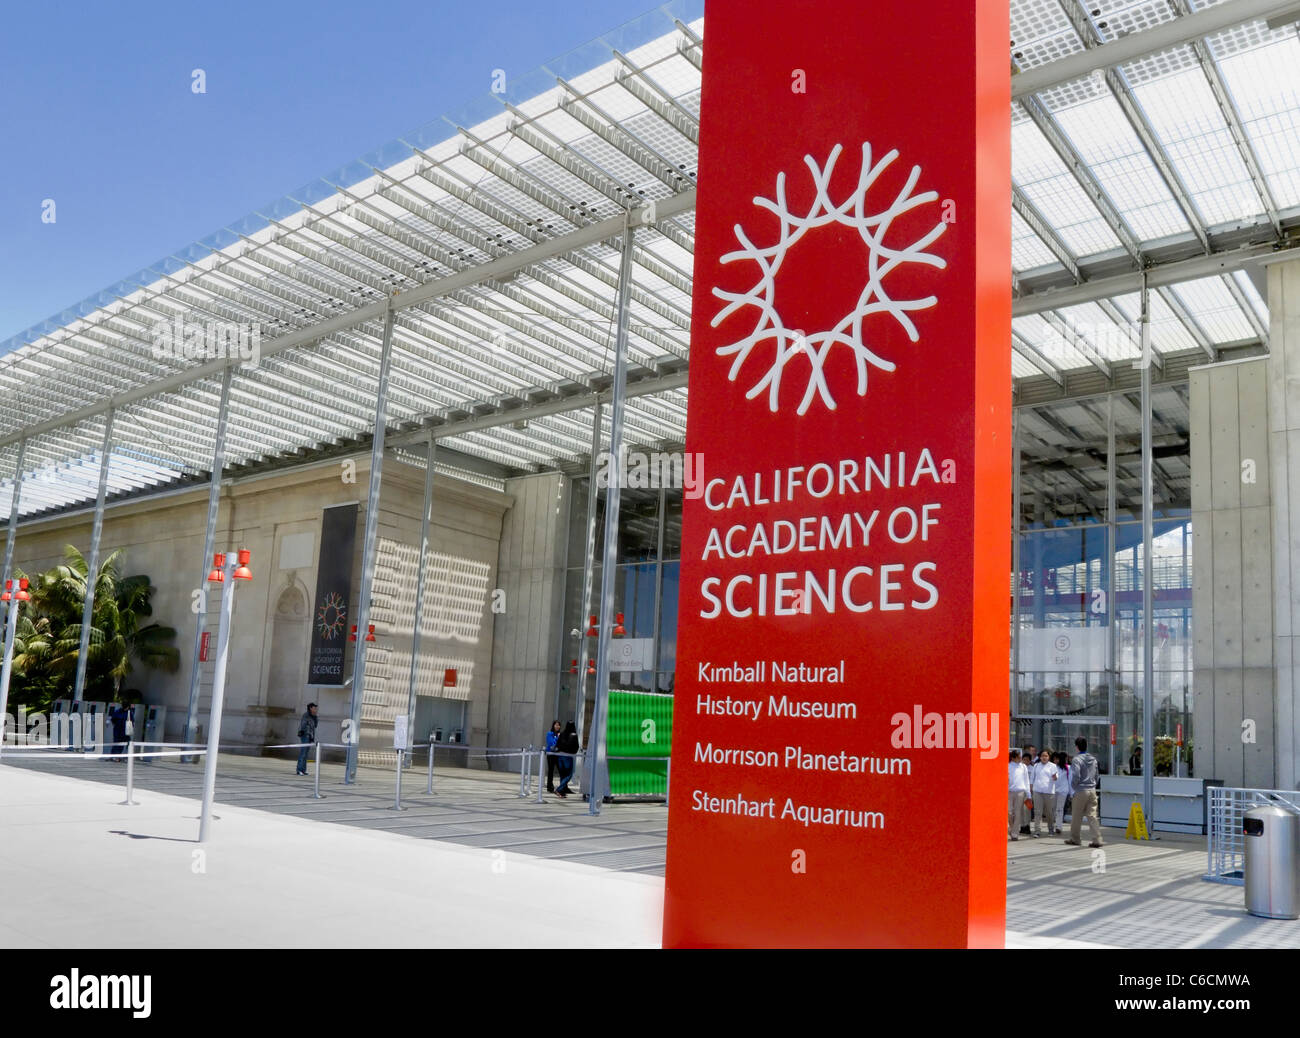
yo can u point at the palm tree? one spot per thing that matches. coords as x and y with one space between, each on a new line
36 684
51 641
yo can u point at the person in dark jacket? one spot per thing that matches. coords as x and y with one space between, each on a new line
567 745
307 736
119 715
552 761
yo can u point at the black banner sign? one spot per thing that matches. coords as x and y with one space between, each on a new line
330 623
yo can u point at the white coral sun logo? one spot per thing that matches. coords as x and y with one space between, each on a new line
788 343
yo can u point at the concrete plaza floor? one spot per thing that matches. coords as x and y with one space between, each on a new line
470 807
472 865
1150 895
78 870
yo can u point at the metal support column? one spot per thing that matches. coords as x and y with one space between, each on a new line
426 517
11 615
1148 595
1112 533
588 568
92 563
594 779
10 630
209 545
13 513
368 551
1015 563
218 697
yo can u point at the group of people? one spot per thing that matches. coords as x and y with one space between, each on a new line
561 745
1039 786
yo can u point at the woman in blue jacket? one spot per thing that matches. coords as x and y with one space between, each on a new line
552 740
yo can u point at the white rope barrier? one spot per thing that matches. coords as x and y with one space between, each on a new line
133 750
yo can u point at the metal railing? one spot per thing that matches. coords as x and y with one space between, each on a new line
132 750
1225 841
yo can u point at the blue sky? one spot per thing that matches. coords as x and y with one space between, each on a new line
99 114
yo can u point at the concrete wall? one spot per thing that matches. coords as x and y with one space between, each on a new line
1284 445
458 622
1232 573
526 645
278 518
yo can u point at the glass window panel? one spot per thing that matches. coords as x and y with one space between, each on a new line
1027 249
1062 587
672 524
638 525
1214 309
1186 118
1116 18
1172 479
1168 333
1252 294
1058 735
1265 85
1021 368
1036 20
1062 464
668 626
1106 141
1114 341
1045 181
1036 331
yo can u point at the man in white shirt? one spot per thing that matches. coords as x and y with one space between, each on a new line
1044 789
1017 793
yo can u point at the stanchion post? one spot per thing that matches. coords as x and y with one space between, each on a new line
523 770
430 789
541 766
316 794
130 773
397 786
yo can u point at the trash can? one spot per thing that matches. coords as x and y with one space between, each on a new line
1272 867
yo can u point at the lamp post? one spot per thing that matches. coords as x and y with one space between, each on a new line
225 571
14 598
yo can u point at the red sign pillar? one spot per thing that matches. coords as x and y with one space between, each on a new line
840 724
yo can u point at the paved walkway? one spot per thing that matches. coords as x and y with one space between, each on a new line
596 878
79 871
1150 895
471 808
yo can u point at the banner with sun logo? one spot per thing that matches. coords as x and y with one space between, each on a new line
842 636
330 622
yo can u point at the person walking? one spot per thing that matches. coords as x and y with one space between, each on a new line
1028 758
119 716
1083 786
307 736
1017 791
567 746
1062 790
552 761
1044 789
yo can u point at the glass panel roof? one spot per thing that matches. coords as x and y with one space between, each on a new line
1182 111
1265 83
1104 139
1039 172
497 228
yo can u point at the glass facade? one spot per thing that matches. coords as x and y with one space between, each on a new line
1076 594
1078 628
645 591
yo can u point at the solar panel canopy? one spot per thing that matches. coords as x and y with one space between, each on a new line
1158 139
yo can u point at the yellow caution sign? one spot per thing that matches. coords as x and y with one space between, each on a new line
1137 824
